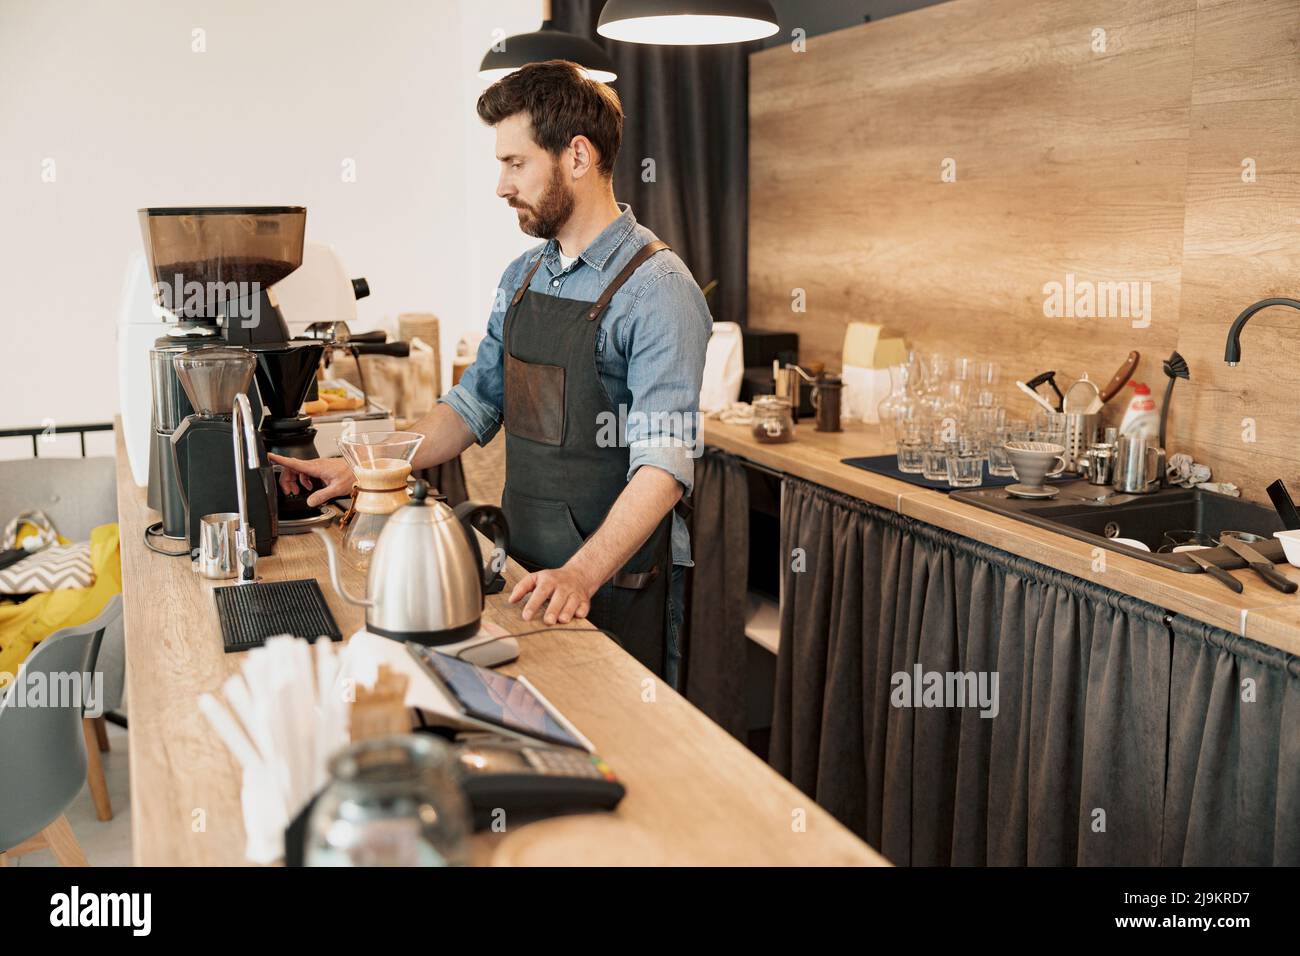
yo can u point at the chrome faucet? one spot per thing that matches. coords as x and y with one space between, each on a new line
241 416
1232 350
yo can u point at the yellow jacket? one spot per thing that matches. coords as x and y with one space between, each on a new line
26 624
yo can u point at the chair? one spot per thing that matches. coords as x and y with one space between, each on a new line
43 749
77 494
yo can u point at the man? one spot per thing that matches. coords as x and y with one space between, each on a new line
593 360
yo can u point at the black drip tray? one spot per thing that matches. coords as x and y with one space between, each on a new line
250 613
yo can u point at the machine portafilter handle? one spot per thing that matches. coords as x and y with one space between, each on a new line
245 444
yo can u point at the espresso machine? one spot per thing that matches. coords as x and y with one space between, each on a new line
214 268
203 447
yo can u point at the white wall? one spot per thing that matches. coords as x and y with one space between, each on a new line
132 116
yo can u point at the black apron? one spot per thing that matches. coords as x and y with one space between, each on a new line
567 459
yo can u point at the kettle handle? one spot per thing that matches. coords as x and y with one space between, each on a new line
488 518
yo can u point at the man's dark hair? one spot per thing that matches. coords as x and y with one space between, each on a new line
562 102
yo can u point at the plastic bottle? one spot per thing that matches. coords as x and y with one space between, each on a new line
1141 419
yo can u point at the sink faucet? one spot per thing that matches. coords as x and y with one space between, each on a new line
1232 350
245 443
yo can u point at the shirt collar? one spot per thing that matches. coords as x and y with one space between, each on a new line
603 247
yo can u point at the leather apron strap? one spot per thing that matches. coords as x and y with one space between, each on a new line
644 253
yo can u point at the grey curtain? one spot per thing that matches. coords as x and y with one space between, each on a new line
714 656
1234 751
687 109
1072 769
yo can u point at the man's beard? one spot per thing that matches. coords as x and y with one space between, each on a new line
552 211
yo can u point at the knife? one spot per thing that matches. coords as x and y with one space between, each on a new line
1260 565
1121 377
1283 505
1214 571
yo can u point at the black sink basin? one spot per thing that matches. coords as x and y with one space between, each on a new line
1146 518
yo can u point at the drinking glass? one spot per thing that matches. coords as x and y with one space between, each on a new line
1049 427
911 454
934 461
911 447
965 462
999 463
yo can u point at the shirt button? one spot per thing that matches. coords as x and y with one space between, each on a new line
556 283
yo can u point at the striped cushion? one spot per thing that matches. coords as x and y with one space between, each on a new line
54 569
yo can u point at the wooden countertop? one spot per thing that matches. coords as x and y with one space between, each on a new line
696 796
1259 612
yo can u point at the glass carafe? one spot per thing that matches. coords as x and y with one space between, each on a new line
381 463
902 405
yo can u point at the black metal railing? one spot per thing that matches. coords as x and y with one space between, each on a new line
35 434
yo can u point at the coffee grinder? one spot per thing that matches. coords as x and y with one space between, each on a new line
214 268
203 445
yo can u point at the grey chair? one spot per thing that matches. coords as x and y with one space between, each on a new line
77 494
43 749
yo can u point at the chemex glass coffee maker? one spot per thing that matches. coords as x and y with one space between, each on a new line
204 446
381 462
215 270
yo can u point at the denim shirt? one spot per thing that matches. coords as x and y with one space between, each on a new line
649 350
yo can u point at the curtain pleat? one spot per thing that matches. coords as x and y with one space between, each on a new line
1234 751
1119 738
715 636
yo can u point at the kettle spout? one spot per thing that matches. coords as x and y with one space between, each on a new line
334 570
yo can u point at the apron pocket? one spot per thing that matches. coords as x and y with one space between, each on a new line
535 401
542 530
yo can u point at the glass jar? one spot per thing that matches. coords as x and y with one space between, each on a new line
391 801
773 420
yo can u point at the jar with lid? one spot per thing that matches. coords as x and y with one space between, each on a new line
773 419
392 801
826 402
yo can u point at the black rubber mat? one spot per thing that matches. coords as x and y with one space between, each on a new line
250 613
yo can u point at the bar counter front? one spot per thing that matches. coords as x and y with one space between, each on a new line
695 795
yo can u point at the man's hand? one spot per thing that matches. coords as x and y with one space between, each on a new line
332 476
565 592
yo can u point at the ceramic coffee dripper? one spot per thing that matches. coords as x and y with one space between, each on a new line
1034 461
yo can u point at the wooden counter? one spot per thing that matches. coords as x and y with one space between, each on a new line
1259 612
695 794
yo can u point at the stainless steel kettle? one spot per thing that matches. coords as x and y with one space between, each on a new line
426 581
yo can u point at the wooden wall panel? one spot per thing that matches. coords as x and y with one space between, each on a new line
1242 243
1122 165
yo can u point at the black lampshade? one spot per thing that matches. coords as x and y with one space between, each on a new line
548 43
687 22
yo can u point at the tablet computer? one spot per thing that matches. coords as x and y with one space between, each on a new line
494 700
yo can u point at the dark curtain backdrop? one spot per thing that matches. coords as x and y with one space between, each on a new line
687 108
719 583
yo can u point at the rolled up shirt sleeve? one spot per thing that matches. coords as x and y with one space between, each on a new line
479 396
667 336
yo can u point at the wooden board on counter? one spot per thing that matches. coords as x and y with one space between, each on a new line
695 794
1259 612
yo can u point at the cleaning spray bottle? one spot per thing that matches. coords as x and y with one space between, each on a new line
1140 420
